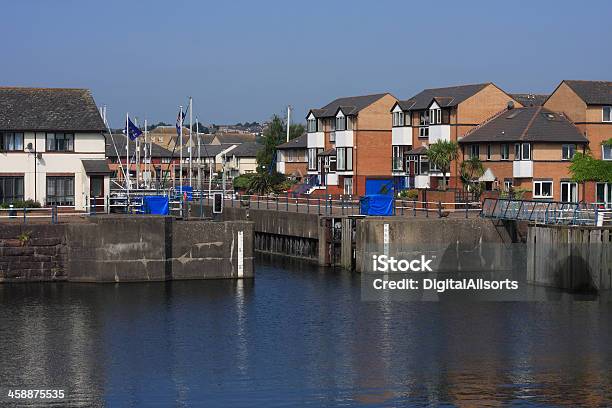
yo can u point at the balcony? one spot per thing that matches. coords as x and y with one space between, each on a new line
344 138
331 179
522 169
401 136
316 139
439 132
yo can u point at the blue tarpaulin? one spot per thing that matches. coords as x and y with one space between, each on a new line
376 204
379 186
156 205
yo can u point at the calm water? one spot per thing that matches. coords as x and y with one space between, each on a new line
297 336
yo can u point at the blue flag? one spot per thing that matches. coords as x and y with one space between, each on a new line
132 130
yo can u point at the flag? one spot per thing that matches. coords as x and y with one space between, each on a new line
132 130
179 122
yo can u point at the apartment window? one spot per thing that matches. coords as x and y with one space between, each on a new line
435 116
341 158
604 194
489 148
398 158
60 142
349 158
11 142
341 123
606 152
348 185
60 190
350 122
607 113
568 151
474 151
542 189
398 118
165 160
522 151
11 189
312 125
507 184
504 151
569 192
332 137
312 159
423 165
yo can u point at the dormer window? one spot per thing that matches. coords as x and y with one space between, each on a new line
398 118
312 125
435 116
340 123
607 113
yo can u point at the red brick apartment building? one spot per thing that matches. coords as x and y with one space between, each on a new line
292 157
589 105
528 148
349 145
438 114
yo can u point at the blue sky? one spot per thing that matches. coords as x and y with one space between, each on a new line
245 60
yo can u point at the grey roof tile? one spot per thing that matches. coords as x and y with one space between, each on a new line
592 92
351 105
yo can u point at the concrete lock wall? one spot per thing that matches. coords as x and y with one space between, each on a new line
405 234
117 249
574 258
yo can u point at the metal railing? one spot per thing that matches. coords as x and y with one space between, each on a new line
547 212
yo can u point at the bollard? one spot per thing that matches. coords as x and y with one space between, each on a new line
24 215
439 209
319 203
287 199
414 208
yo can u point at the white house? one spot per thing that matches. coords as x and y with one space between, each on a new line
52 147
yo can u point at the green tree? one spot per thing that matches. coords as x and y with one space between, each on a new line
296 130
441 154
272 137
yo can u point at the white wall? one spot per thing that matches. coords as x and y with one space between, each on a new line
316 139
439 132
401 136
344 138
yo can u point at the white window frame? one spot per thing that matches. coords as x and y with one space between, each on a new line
340 158
435 116
312 159
520 149
604 149
349 158
474 148
603 113
348 185
340 120
312 125
568 147
489 151
505 156
508 185
572 190
538 185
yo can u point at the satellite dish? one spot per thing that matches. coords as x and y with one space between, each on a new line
39 156
29 146
510 105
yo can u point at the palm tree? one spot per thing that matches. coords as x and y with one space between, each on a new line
471 170
441 154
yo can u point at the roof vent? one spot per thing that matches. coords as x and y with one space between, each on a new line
510 105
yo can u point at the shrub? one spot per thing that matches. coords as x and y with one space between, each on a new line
409 194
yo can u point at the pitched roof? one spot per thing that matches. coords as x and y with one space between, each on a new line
528 99
530 124
299 142
248 149
329 152
120 141
592 92
234 137
96 166
350 105
49 109
445 97
419 150
206 150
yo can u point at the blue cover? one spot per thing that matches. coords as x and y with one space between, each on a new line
376 204
156 205
379 186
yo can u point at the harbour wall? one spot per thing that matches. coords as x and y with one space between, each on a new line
126 248
573 258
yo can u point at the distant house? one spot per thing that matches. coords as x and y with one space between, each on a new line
292 157
52 147
242 159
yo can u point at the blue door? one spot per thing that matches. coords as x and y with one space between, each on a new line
379 186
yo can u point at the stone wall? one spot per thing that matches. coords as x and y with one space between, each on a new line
127 248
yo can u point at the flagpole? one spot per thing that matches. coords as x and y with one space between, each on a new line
199 156
137 156
181 151
127 150
147 183
190 140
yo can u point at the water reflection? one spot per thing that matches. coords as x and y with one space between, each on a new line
298 335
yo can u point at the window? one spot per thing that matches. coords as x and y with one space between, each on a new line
398 118
507 185
606 152
11 142
568 151
398 158
489 148
312 125
312 159
569 192
542 189
341 158
340 123
474 151
11 189
607 113
349 158
348 185
60 142
423 165
165 160
60 190
504 151
435 116
332 137
522 151
604 194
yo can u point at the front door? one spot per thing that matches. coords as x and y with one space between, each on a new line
96 193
